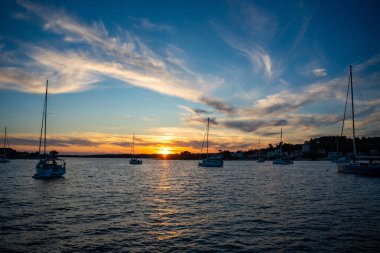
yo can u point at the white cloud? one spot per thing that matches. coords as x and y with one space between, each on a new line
320 72
267 64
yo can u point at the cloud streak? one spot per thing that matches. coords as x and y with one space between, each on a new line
253 125
146 24
219 105
124 57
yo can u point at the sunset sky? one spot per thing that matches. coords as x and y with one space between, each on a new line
160 68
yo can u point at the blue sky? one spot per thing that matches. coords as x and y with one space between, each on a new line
160 68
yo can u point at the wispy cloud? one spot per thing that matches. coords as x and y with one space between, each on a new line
147 119
194 110
259 58
283 82
261 124
254 124
255 20
312 68
368 63
253 30
301 24
146 24
289 100
124 57
219 105
196 117
19 80
59 141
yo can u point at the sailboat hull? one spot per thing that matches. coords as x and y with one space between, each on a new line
51 172
135 161
283 162
359 168
211 163
46 170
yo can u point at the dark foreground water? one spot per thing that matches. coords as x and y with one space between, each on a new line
175 206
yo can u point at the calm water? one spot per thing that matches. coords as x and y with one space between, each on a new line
166 206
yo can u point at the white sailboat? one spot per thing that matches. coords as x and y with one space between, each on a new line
282 160
133 159
212 161
369 166
48 166
4 158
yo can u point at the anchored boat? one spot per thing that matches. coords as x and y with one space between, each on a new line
212 161
362 165
133 159
282 160
48 166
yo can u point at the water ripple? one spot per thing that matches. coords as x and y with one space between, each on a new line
107 205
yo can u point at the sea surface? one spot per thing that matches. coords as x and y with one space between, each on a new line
108 205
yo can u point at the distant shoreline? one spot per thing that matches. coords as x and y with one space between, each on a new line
154 157
317 149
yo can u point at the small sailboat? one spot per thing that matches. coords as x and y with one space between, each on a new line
369 166
134 160
212 161
260 159
282 160
4 158
48 166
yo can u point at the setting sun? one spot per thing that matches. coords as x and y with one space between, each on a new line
164 151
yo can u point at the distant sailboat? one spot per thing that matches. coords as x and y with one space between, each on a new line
260 159
4 158
134 160
212 161
369 166
48 166
282 160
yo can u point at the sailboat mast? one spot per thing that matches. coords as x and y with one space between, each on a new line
281 144
352 111
46 92
208 127
259 150
337 146
133 145
5 138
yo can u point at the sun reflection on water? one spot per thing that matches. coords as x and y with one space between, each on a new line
166 215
